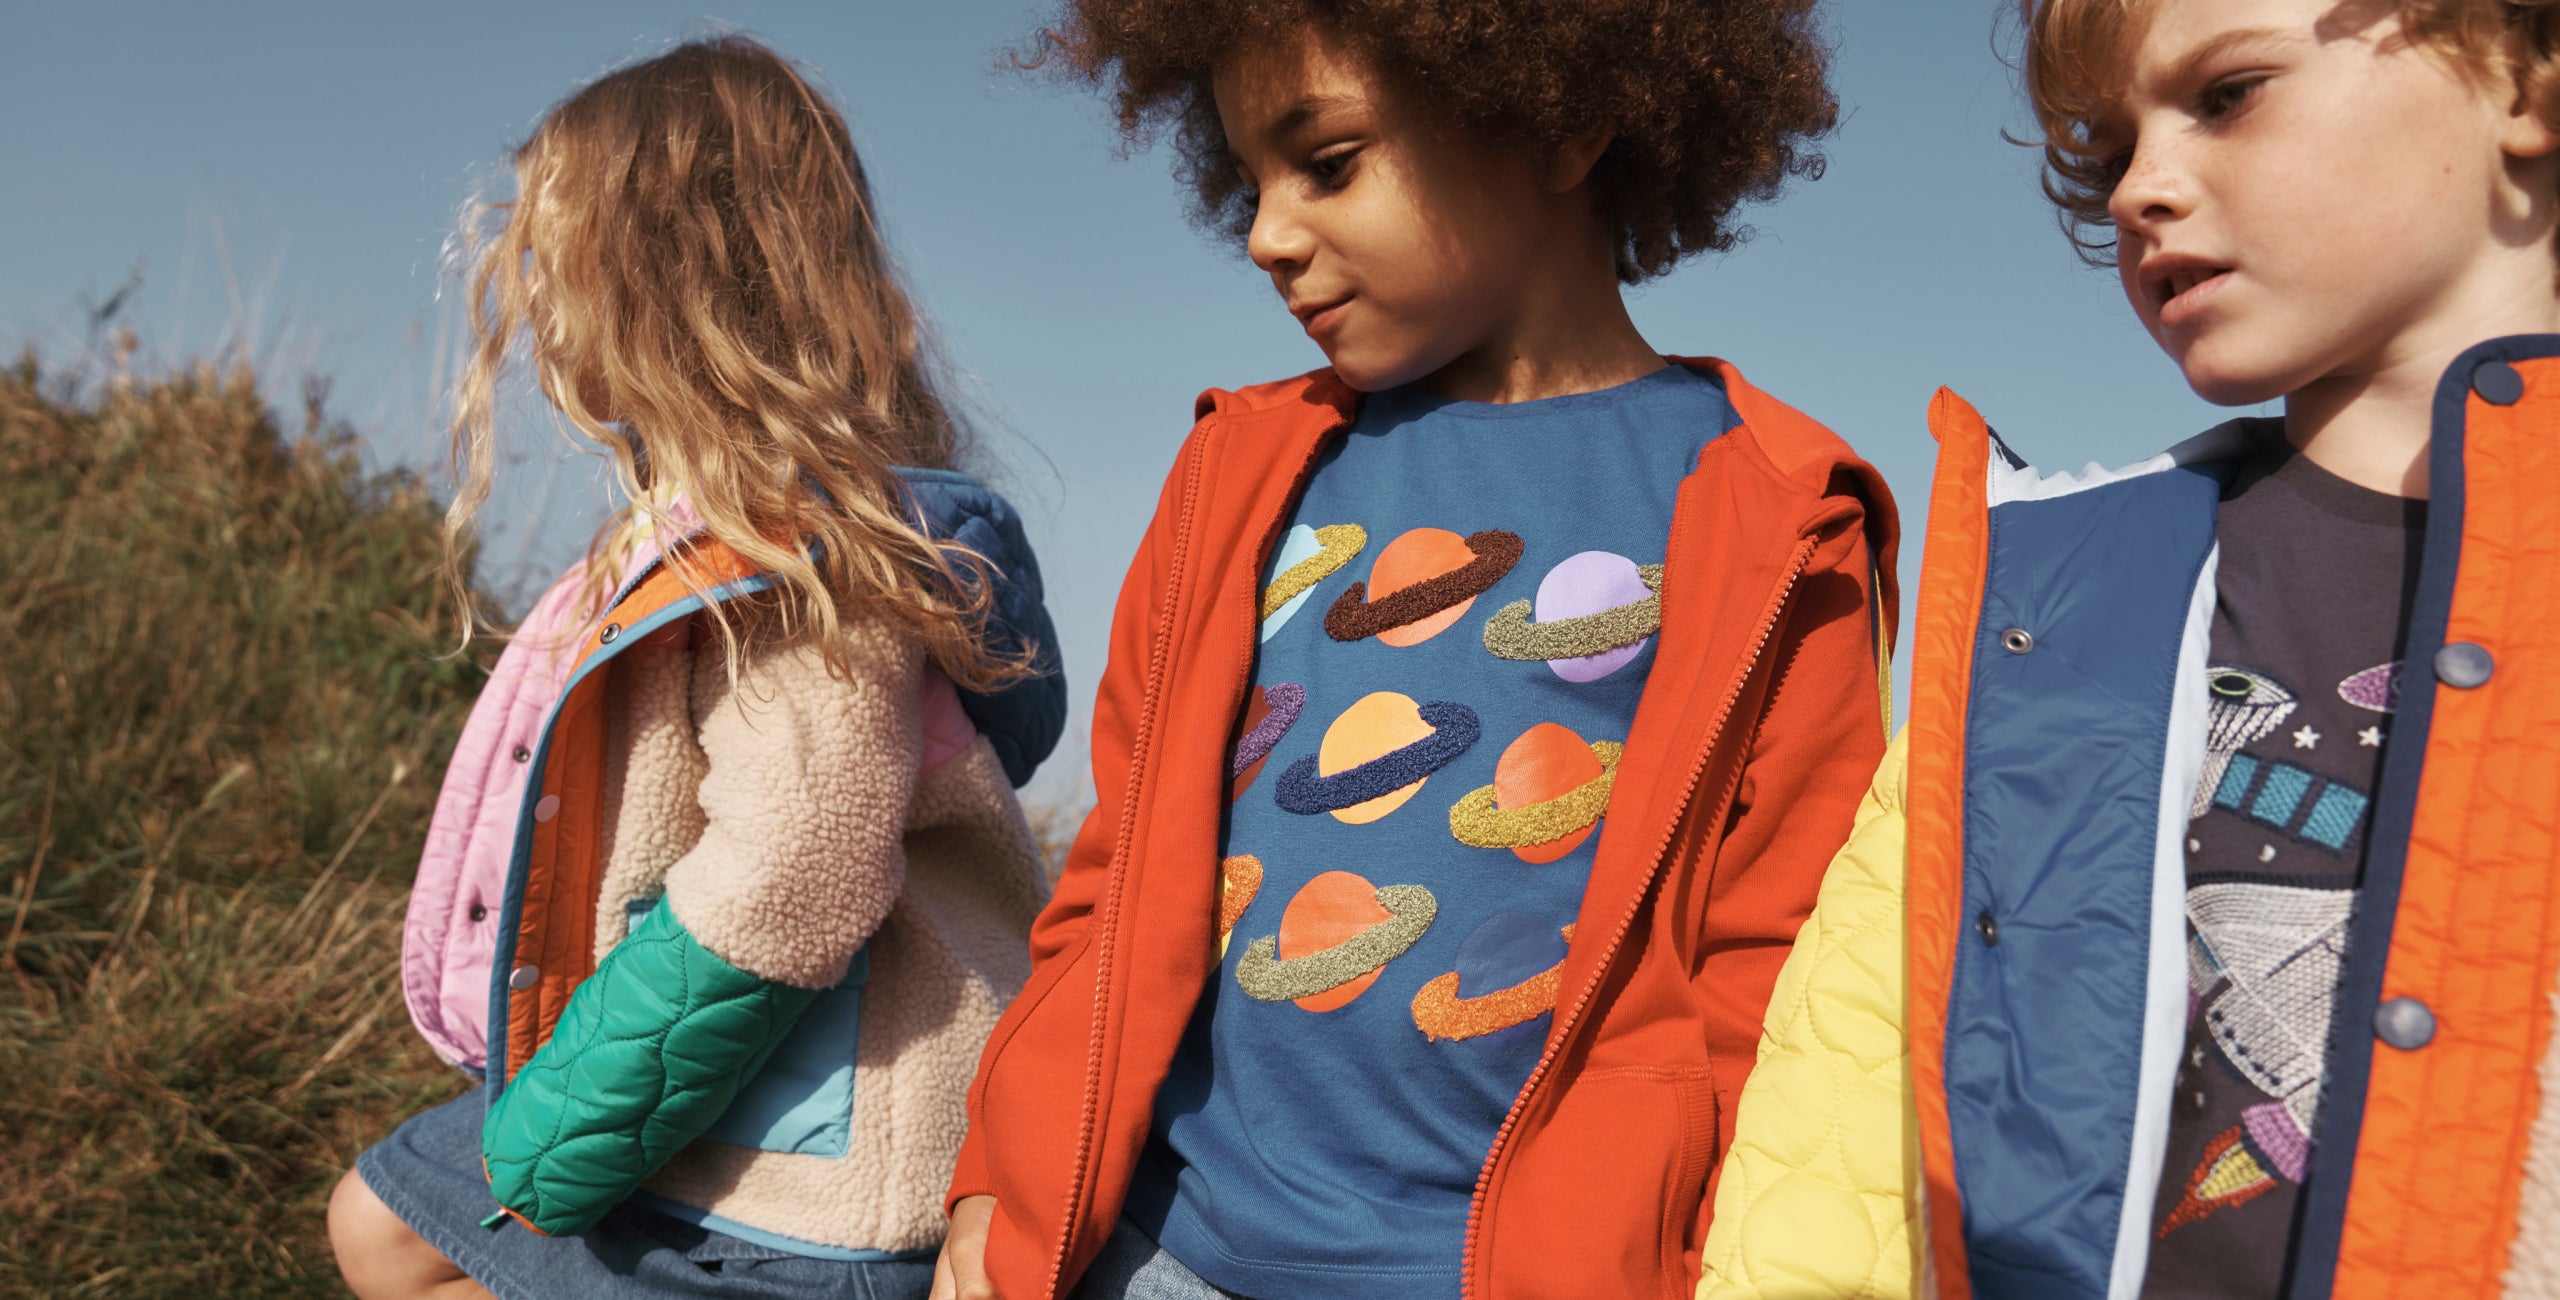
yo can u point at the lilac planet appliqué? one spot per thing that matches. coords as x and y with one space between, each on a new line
1590 583
2376 688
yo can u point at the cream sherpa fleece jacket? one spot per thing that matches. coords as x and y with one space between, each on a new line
784 817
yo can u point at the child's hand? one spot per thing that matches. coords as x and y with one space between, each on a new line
961 1274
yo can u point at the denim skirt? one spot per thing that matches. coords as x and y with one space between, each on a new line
428 1172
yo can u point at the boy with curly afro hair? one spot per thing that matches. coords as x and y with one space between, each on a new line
1482 709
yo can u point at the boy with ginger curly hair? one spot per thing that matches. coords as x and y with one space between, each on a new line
1482 709
2227 838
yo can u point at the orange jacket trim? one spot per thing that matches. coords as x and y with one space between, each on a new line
2474 934
546 927
1954 563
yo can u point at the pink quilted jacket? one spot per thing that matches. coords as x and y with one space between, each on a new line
452 929
453 909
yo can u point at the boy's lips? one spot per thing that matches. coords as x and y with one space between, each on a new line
2179 288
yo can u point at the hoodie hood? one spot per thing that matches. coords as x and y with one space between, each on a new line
1022 721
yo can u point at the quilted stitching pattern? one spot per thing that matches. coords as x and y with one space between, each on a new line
1023 721
649 1053
1813 1198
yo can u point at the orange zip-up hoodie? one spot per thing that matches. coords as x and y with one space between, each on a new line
1760 724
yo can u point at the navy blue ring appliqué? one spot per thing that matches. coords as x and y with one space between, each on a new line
1454 730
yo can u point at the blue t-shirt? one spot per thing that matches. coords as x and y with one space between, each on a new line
1458 626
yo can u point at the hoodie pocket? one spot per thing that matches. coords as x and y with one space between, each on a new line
801 1102
1604 1194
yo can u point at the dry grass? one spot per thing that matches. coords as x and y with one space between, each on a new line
222 726
221 723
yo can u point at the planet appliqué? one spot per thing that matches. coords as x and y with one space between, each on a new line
1422 582
1269 713
1376 756
1596 612
2376 689
1509 971
1336 935
1549 791
1307 557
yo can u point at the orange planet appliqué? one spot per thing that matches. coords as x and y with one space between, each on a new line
1330 909
1377 725
1419 556
1547 761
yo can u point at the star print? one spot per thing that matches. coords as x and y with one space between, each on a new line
2267 854
2370 737
2306 738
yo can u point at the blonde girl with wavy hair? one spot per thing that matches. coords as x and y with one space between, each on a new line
728 882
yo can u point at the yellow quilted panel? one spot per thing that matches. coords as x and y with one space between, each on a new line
1815 1199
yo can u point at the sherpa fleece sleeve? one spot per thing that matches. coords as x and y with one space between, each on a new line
1817 1194
805 803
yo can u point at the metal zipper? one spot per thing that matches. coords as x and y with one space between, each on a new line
1617 937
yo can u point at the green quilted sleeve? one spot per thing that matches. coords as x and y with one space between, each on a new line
648 1054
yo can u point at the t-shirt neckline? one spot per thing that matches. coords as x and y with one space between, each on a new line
1409 401
2272 457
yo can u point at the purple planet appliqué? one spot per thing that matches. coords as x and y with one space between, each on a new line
1590 583
2376 688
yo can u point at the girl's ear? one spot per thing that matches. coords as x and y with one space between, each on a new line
1572 161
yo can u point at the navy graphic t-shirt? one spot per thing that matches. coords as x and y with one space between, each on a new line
2312 607
1457 627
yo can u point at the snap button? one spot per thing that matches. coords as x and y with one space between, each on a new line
2017 641
523 755
2404 1023
479 912
611 630
524 977
547 809
1989 927
2497 383
2464 666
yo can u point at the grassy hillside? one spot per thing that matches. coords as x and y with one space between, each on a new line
221 729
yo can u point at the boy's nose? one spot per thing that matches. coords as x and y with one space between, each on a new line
2151 192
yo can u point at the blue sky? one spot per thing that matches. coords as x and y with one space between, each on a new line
284 175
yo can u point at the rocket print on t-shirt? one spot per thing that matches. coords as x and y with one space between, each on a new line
2266 935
